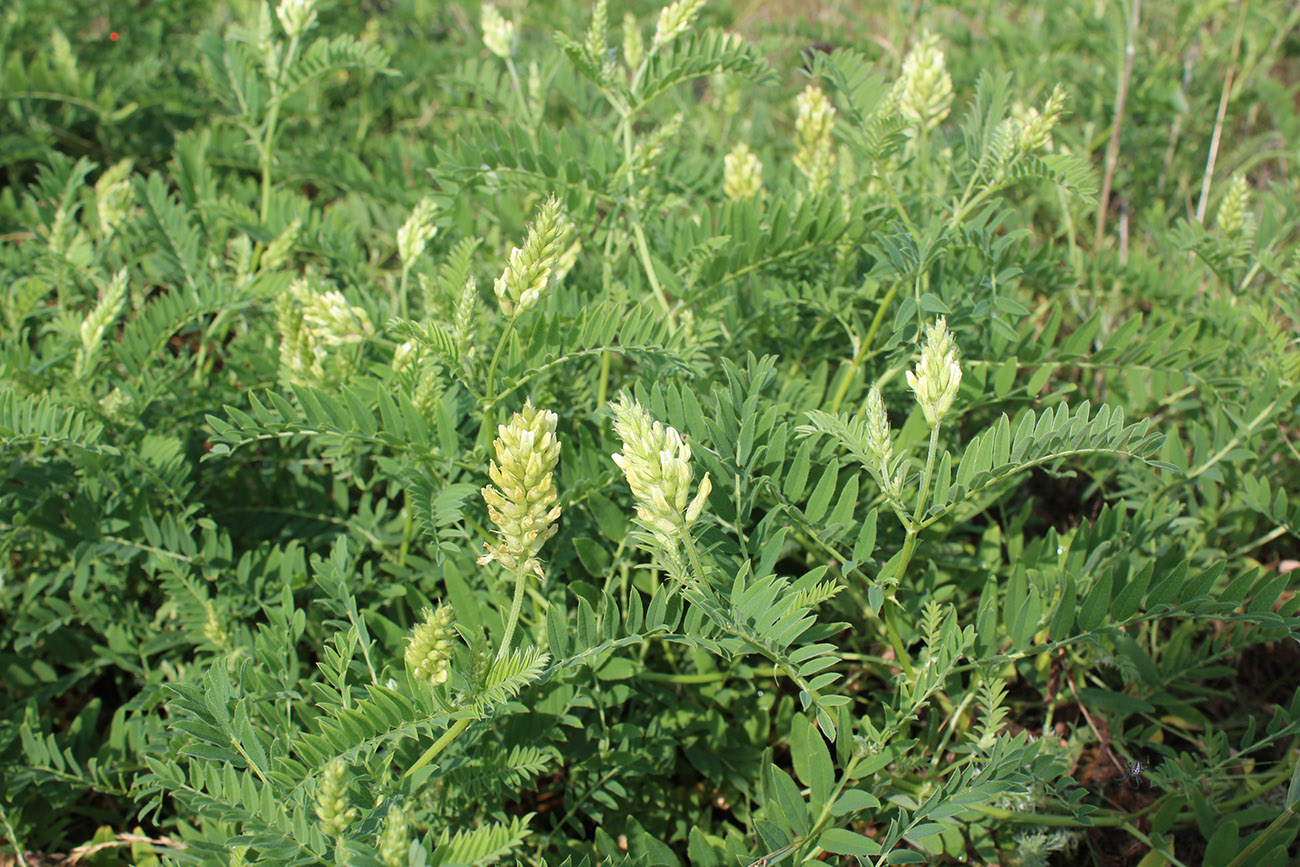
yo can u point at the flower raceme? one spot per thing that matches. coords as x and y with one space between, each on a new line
332 807
742 174
418 229
532 267
657 463
521 500
924 87
814 151
499 35
880 442
938 374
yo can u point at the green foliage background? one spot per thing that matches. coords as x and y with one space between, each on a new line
212 564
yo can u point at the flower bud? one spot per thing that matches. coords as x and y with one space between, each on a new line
925 95
113 196
403 355
329 317
938 374
310 325
277 252
106 310
429 649
742 174
633 44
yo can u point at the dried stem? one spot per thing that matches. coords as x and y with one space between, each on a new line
1218 120
1112 149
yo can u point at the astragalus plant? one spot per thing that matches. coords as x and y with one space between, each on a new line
560 433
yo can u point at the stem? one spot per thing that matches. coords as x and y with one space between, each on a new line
272 118
438 746
643 248
862 353
1245 855
521 578
1218 119
1112 149
823 818
401 291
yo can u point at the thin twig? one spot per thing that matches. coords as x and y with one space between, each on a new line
121 840
1218 120
1112 149
1103 740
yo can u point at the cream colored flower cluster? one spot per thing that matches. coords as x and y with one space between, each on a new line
742 174
814 149
296 16
416 231
674 20
924 88
313 326
536 266
938 374
657 463
499 34
522 499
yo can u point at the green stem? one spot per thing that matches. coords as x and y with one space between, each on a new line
1246 855
272 119
439 745
602 387
401 291
703 677
521 579
824 817
863 352
638 233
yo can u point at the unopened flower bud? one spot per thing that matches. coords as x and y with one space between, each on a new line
113 196
633 44
403 355
1234 212
394 839
277 252
329 316
106 310
1035 129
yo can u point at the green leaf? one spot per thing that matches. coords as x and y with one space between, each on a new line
812 760
841 841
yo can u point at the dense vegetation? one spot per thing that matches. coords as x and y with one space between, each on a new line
947 358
